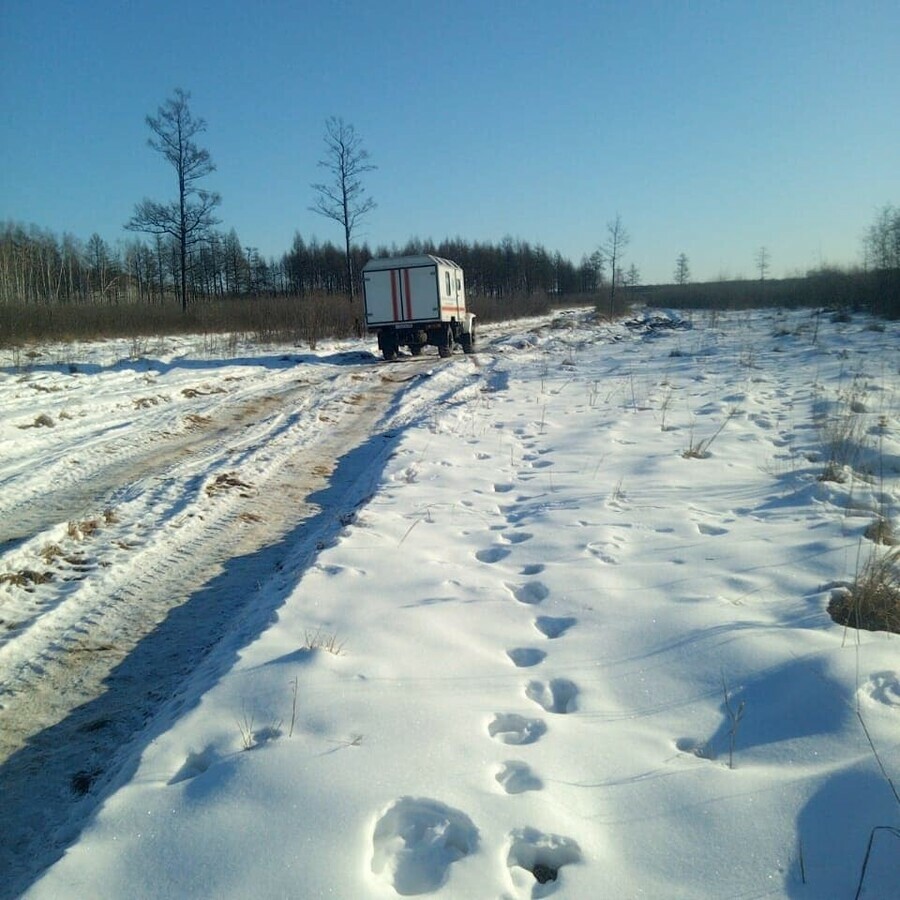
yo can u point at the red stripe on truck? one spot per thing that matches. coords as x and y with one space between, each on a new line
408 292
394 302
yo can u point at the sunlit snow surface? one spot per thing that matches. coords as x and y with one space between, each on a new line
573 660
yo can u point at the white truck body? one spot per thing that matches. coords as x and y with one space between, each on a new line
417 300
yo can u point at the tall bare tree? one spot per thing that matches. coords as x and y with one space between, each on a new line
617 239
343 198
189 218
682 269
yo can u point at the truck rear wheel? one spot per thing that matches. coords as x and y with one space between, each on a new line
389 346
445 347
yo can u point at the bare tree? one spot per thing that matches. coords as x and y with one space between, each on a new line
102 268
682 269
881 241
762 263
343 197
189 218
617 239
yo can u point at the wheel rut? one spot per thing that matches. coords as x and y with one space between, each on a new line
118 645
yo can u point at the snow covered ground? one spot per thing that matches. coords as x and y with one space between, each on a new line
323 626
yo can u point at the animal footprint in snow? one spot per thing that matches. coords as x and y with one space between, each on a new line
492 555
597 549
554 626
559 696
509 728
516 777
532 569
535 859
531 592
516 537
526 657
694 747
884 687
502 488
760 420
415 841
712 530
195 764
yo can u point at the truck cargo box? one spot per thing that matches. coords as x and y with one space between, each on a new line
417 300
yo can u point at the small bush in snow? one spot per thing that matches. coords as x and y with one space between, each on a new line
872 602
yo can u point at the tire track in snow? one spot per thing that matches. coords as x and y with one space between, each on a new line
88 677
94 478
190 535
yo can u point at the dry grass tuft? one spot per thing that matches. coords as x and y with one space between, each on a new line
197 421
834 472
26 578
872 602
79 530
699 449
41 421
881 532
51 552
319 640
844 436
145 402
207 391
227 481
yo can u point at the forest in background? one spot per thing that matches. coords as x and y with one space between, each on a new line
63 287
36 266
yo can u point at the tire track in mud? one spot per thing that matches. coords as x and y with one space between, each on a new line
90 488
93 672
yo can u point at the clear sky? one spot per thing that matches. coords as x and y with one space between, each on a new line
713 128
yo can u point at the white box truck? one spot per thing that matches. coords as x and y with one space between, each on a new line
412 301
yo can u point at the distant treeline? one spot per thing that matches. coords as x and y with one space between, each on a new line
65 287
876 291
36 266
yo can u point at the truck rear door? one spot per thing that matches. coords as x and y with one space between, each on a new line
420 294
401 295
377 291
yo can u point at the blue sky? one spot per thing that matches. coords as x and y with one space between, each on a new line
713 128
